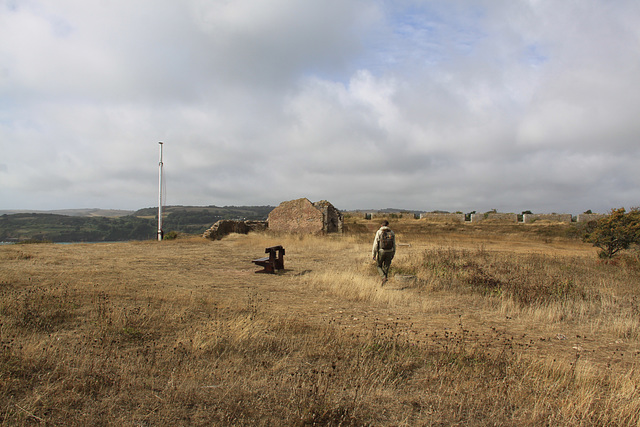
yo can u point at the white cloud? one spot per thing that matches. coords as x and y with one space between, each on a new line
455 105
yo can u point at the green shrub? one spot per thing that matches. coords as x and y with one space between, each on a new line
616 232
171 235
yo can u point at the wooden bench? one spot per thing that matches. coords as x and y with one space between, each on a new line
273 262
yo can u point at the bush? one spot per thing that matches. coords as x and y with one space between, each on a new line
171 235
615 232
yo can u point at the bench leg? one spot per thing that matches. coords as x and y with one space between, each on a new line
267 268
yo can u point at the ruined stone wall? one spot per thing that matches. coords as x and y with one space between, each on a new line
226 226
529 218
589 217
296 216
442 217
332 218
495 217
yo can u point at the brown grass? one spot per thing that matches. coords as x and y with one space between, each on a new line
476 327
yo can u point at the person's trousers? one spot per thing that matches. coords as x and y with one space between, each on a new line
384 262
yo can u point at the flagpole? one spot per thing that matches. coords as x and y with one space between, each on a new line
160 196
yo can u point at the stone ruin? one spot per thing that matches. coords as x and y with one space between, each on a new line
228 226
512 218
305 217
495 217
295 216
302 216
442 217
530 218
585 217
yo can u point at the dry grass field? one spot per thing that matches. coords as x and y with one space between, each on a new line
479 325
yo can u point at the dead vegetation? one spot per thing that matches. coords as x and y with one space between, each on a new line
523 328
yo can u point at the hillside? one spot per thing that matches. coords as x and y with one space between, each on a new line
89 226
110 213
63 228
224 212
475 327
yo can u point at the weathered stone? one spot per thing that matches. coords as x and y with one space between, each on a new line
442 217
495 217
589 217
529 218
302 216
227 226
332 217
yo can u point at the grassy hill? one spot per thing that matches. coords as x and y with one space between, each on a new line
220 212
111 213
197 219
477 326
88 226
63 228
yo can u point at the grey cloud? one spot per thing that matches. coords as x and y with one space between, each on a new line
440 105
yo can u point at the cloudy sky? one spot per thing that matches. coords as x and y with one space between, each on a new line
453 105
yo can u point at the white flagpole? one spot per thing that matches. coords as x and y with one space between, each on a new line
160 196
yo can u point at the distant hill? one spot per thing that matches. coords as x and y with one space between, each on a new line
196 219
224 212
65 228
96 225
109 213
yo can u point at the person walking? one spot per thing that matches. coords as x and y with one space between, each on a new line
384 249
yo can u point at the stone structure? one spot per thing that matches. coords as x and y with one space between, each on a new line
442 217
227 226
529 218
495 217
302 216
333 218
589 217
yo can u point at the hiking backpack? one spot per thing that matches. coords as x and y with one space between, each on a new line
386 240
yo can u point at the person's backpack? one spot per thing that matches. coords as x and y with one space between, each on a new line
386 240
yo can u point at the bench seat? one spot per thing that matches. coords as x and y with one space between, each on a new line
273 262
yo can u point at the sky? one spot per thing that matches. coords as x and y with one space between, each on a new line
452 105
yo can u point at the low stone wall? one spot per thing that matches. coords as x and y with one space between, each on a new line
390 216
442 217
529 218
227 226
496 217
589 217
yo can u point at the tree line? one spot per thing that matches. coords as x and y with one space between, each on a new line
140 226
62 228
